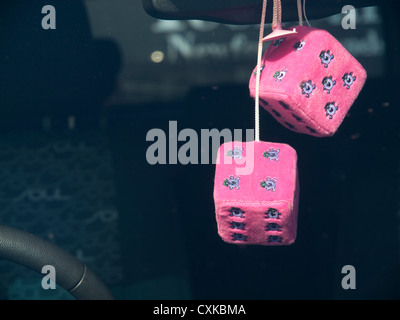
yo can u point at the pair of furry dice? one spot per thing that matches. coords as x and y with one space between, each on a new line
308 81
256 193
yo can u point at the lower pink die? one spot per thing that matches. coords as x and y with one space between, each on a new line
256 192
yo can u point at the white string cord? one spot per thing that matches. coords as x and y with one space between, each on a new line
258 73
304 12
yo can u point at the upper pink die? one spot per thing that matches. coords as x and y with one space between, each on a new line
309 81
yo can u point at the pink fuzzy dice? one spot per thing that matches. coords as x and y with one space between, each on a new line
309 81
256 193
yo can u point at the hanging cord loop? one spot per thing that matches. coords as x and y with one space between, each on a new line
304 12
277 15
276 24
258 73
300 14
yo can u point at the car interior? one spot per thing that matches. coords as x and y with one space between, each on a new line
76 189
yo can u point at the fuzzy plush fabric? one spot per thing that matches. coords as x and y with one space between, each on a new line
256 193
309 81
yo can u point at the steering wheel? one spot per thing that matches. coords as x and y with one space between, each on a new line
33 252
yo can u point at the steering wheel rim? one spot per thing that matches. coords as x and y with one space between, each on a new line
33 252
